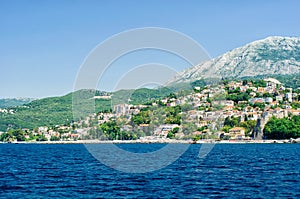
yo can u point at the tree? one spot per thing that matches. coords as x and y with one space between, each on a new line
249 126
142 117
173 115
209 100
196 138
41 138
236 97
175 130
172 95
21 138
261 106
6 137
284 128
202 128
259 83
226 128
267 95
232 122
54 138
13 134
111 130
171 135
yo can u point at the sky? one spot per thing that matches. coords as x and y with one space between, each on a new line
44 43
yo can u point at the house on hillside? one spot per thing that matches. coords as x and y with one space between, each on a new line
224 102
122 109
295 112
271 82
164 129
237 133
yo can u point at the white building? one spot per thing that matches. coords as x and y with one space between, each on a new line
122 109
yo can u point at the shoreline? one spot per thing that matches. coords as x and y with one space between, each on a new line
162 141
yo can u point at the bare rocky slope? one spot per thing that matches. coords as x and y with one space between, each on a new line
269 56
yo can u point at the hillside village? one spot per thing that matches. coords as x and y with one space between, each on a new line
230 110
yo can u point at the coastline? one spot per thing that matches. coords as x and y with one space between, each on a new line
162 141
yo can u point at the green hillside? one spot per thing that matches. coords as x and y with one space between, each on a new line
59 110
141 96
45 112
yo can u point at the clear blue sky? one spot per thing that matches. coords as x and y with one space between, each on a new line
43 43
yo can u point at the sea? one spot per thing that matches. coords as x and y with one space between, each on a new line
227 171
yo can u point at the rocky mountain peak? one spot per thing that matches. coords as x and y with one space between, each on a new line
272 55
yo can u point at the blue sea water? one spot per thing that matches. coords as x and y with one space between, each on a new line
228 171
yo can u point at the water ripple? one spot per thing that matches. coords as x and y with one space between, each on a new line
229 171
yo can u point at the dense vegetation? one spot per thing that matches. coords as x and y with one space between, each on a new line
231 122
172 133
236 95
58 110
111 130
143 117
140 96
19 135
45 112
284 128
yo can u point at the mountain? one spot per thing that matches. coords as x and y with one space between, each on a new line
9 102
270 56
